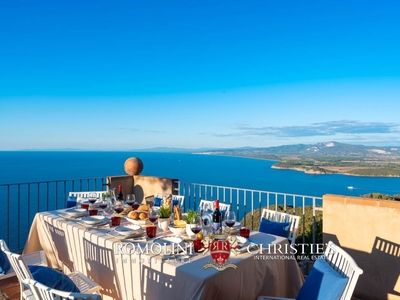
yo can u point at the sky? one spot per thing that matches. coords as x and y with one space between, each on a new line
123 75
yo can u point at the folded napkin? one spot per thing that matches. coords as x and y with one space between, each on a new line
242 248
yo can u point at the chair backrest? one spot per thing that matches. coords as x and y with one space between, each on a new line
211 205
180 199
44 292
344 264
18 264
80 195
276 216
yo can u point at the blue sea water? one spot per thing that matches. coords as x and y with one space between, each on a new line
237 172
34 166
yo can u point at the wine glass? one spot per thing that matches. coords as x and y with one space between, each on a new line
195 224
130 199
153 215
118 207
92 197
103 205
230 219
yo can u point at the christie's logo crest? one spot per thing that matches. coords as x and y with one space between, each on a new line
220 251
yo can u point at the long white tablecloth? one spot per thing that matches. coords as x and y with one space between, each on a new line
70 246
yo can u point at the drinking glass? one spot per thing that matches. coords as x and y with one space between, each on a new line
151 231
230 219
130 199
195 224
103 205
153 215
92 197
118 207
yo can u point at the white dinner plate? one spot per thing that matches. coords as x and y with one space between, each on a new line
92 220
76 212
137 233
103 222
168 240
127 230
68 217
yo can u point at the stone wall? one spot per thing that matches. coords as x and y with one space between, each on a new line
143 186
369 230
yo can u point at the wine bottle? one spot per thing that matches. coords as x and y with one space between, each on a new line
120 195
217 219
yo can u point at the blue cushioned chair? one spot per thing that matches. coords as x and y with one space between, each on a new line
275 228
44 292
4 263
333 277
23 272
280 217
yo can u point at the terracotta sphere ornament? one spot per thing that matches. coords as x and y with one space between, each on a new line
133 166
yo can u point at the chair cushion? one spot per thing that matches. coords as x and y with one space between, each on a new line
157 201
175 202
71 201
275 228
4 263
53 279
323 283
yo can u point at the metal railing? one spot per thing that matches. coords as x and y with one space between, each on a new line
21 201
248 203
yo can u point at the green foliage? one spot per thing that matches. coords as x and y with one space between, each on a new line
106 195
381 196
164 212
190 215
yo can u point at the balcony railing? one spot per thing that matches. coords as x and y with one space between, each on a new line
21 201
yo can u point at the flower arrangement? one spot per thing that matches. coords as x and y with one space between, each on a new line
164 211
190 215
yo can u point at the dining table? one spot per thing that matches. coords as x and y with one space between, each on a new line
129 268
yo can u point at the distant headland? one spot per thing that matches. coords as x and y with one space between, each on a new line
326 158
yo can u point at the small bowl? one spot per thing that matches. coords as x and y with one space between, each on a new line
177 230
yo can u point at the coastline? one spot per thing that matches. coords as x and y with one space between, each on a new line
314 172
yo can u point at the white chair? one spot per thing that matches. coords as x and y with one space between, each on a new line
37 258
275 216
211 205
20 266
180 199
43 292
341 263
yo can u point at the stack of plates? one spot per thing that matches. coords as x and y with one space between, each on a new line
75 212
93 220
128 230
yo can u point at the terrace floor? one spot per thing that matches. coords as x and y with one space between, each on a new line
10 289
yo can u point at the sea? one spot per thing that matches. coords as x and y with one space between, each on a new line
229 171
